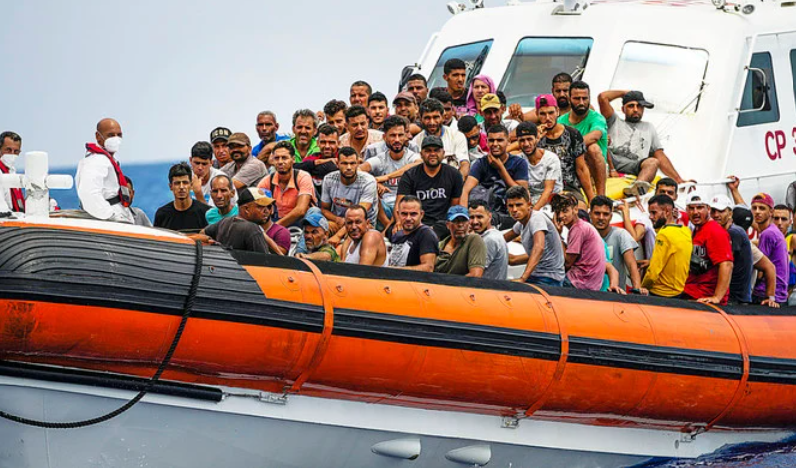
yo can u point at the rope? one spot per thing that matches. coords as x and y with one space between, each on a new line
188 307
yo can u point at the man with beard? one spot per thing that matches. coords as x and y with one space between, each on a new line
218 138
669 264
292 189
316 232
305 123
711 259
359 136
721 210
497 252
461 253
390 164
222 192
771 243
567 144
621 246
244 169
183 214
495 173
634 145
406 106
267 128
455 145
203 170
334 111
559 90
438 185
359 92
544 167
244 232
492 109
378 110
417 85
469 127
364 245
455 75
414 245
345 188
593 128
320 164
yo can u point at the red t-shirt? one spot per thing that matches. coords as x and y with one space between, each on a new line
711 247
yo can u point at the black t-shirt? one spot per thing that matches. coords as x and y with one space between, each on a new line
238 234
568 147
408 248
742 267
435 192
316 171
192 219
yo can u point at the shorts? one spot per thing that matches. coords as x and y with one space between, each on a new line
627 165
543 281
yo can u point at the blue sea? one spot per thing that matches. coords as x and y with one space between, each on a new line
152 191
151 183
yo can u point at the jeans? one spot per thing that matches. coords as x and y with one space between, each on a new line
543 281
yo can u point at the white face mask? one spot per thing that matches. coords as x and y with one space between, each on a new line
113 144
9 160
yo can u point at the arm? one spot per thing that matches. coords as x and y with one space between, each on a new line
737 198
547 195
638 231
592 137
238 184
273 246
569 260
464 168
369 248
666 166
322 256
426 263
613 279
302 205
584 177
535 256
770 273
196 188
396 174
632 268
326 209
725 273
89 191
605 98
657 262
471 183
475 272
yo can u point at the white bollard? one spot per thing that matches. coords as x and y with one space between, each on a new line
37 183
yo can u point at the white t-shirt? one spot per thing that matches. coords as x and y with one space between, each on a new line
548 168
454 144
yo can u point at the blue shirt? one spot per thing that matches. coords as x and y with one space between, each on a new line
213 216
493 186
259 147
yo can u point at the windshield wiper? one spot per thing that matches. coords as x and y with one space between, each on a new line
476 68
578 71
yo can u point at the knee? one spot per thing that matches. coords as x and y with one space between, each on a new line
594 153
651 163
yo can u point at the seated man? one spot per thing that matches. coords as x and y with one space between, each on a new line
461 253
772 244
345 188
495 173
359 136
711 258
203 170
243 232
316 230
139 217
244 169
497 252
544 254
585 259
319 165
364 245
592 127
544 167
292 189
454 143
184 213
378 110
634 145
621 246
222 192
414 245
669 262
472 132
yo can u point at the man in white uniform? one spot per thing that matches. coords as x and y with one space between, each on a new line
101 186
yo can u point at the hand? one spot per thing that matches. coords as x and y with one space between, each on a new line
334 241
734 183
642 264
301 255
196 185
618 290
493 161
770 303
643 291
614 173
515 112
624 208
710 300
321 116
518 280
382 189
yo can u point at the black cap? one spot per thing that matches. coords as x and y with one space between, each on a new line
637 96
742 216
431 140
527 129
220 133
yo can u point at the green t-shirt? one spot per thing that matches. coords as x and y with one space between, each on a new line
213 216
327 248
593 121
314 149
470 253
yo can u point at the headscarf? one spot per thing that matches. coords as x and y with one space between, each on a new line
472 109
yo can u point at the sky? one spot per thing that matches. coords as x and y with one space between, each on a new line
171 71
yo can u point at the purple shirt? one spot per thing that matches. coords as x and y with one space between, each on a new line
280 235
588 270
772 244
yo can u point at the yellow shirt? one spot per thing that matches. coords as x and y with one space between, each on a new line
670 261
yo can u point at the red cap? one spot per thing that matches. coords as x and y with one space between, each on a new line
765 199
546 100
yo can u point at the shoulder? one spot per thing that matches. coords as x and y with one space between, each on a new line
365 178
165 209
596 117
200 207
331 178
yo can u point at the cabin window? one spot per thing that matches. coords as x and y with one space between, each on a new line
671 77
473 54
537 60
759 102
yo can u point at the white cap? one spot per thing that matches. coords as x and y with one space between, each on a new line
695 198
721 203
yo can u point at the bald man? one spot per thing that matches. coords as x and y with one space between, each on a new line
102 188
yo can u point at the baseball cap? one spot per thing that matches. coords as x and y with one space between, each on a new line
546 100
637 96
315 218
220 133
406 95
765 199
742 216
239 139
696 198
721 203
458 211
431 140
261 196
526 129
490 101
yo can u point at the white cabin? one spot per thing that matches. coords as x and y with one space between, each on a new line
723 80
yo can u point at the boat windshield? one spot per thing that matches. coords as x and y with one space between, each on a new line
671 77
537 60
473 55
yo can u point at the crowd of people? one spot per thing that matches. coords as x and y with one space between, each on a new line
448 178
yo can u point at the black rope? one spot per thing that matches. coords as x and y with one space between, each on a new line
188 307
